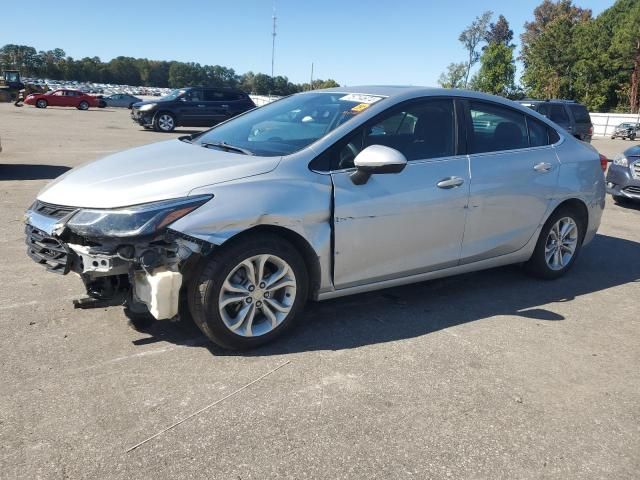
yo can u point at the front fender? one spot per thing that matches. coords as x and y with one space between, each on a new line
302 205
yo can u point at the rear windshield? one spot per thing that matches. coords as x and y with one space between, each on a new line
580 113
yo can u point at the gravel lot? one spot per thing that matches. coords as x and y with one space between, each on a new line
484 376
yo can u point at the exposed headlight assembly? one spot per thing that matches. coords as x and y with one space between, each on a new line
621 160
147 107
137 220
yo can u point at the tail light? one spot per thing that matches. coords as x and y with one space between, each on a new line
604 162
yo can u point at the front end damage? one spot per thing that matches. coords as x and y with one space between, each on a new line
142 270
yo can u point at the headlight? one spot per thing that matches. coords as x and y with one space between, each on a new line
148 106
621 160
145 219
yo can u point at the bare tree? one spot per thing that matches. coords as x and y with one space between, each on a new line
471 37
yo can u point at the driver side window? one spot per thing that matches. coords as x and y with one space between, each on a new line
420 131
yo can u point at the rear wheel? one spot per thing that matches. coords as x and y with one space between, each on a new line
249 293
164 122
83 105
41 103
558 246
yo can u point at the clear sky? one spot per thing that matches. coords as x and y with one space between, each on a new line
355 42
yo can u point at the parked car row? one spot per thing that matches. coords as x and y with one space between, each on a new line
97 88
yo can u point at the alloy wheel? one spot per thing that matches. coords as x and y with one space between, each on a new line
166 122
257 295
561 243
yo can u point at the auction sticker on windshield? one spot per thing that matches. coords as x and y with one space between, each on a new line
361 98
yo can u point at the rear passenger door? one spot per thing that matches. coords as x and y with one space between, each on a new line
191 108
217 106
514 173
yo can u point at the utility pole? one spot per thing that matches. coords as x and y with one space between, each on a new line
273 42
311 81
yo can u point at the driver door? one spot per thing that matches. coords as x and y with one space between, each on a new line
402 224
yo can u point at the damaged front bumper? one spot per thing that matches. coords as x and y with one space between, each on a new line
133 271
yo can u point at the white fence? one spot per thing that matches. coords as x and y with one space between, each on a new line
605 123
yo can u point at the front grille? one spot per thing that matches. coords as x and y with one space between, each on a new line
49 210
632 190
636 169
47 251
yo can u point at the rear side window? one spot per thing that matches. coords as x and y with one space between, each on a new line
538 133
495 128
220 96
553 136
556 113
580 113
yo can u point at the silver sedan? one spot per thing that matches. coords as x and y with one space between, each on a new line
316 196
122 100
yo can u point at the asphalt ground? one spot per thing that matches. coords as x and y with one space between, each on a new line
491 375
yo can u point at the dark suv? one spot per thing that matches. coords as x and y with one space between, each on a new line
191 107
569 114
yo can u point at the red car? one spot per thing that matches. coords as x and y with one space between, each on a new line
62 98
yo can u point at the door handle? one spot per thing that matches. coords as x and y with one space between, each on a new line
450 182
542 167
224 106
201 106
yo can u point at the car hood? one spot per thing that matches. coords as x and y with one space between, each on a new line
159 171
150 102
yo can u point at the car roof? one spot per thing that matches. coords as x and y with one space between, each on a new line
407 92
551 100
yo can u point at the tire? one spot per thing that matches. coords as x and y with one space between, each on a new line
130 105
83 105
41 103
549 268
244 323
632 137
164 122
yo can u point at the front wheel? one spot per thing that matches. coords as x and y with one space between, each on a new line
558 246
164 122
249 293
41 103
83 105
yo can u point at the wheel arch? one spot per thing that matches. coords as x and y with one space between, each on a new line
176 118
301 244
579 206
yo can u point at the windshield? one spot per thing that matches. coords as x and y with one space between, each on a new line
173 95
288 125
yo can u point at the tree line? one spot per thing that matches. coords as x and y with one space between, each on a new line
56 65
565 51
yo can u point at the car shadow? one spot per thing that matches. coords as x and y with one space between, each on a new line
423 308
628 204
22 171
180 131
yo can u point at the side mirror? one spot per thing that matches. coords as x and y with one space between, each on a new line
377 159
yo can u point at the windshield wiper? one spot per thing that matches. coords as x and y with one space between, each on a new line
226 146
